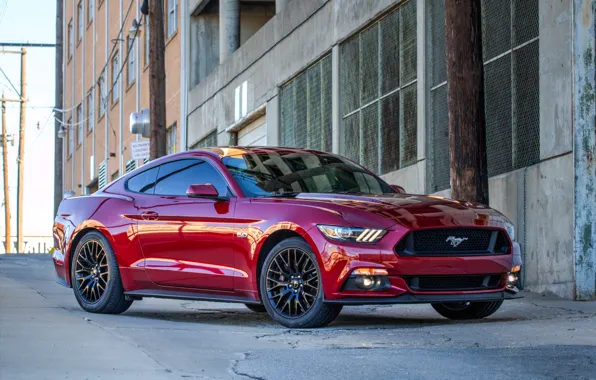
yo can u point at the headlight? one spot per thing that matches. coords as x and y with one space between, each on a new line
510 230
360 235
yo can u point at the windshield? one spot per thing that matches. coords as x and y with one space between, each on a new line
271 174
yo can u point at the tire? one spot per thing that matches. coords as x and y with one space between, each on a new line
88 292
467 310
303 294
255 308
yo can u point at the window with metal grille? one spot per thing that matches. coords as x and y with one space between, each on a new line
131 165
511 83
378 93
171 138
306 108
115 176
208 141
80 124
102 174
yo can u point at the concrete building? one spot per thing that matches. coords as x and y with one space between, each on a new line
367 79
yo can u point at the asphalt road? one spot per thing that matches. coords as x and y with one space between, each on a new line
45 335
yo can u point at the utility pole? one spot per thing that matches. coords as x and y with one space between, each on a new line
21 156
465 80
58 142
157 81
5 167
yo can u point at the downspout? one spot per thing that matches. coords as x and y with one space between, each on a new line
121 84
83 98
138 65
107 103
184 48
92 166
72 96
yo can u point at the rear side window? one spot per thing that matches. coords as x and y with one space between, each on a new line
174 178
143 182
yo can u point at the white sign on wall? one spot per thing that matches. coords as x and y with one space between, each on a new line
139 150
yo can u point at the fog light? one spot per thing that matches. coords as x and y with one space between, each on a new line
368 282
512 279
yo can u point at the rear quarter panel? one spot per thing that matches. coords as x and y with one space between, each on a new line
111 215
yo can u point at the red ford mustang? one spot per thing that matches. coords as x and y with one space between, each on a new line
296 233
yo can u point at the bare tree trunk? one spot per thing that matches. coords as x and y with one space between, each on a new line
157 80
465 80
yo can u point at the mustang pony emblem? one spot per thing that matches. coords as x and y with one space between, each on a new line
455 241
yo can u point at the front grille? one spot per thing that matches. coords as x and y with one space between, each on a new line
462 282
453 242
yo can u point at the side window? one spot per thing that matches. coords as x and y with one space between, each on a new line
143 182
174 178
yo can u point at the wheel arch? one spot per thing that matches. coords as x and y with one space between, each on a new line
78 235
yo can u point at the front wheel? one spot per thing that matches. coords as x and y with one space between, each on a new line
95 276
467 310
292 289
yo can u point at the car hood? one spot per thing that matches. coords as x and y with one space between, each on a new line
407 210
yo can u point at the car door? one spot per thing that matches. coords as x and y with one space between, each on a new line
187 242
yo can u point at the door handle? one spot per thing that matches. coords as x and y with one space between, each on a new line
149 215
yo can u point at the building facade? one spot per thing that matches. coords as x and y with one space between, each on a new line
367 79
106 78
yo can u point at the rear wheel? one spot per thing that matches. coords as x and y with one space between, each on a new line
255 308
95 276
291 286
467 310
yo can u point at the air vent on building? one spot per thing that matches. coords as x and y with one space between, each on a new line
131 165
103 174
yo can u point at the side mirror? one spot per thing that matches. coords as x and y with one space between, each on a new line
398 189
204 191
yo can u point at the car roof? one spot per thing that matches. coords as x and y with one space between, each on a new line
226 151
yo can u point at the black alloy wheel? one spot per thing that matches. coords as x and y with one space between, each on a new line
95 276
92 272
292 283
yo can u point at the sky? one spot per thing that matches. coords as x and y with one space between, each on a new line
33 21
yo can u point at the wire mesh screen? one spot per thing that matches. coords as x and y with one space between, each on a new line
526 115
306 108
379 126
497 93
208 141
438 165
510 52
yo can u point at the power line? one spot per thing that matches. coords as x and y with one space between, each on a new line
8 79
26 44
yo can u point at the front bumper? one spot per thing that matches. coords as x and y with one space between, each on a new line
427 298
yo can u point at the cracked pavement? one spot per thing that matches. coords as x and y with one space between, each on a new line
45 335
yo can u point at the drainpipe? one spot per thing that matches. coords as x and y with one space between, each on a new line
93 89
229 28
83 97
106 84
121 84
184 48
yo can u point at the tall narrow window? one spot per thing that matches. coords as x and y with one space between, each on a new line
90 10
70 39
146 36
80 124
171 139
71 133
172 17
90 111
80 19
101 84
132 61
115 67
